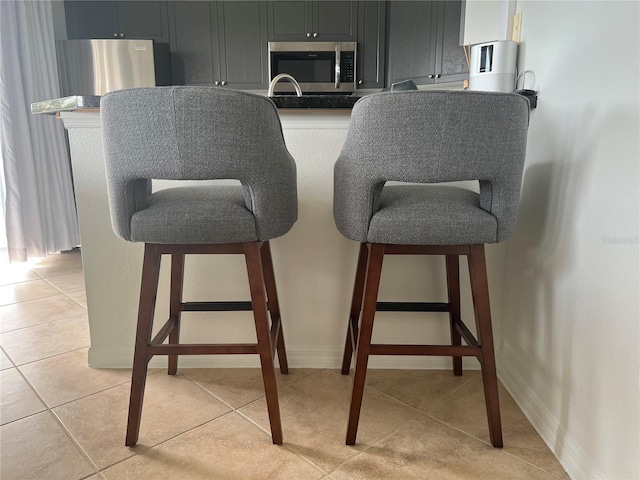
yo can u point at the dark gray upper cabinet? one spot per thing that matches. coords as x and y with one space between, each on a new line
292 21
451 62
370 61
423 42
242 44
135 19
219 43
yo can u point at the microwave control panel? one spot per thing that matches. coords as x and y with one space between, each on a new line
347 70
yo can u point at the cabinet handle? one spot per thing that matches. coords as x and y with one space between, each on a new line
122 35
223 82
308 35
432 76
359 82
216 83
115 34
438 75
315 35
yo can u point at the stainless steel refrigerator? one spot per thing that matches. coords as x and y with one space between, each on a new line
95 67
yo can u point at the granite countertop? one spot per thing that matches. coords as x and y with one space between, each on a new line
65 104
315 101
82 102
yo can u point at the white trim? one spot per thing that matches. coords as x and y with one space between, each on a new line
299 356
315 119
576 463
81 119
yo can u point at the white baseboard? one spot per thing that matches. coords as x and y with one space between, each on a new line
299 356
575 462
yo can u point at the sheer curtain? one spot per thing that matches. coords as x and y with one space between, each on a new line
40 207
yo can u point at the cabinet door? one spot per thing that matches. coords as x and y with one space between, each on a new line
334 20
289 21
323 20
371 44
135 19
192 45
242 43
144 19
91 20
411 41
451 63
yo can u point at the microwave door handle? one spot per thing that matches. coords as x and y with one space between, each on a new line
338 48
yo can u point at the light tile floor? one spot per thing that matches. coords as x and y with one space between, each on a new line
61 419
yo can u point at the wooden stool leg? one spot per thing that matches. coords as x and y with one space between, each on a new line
259 303
175 302
148 290
356 308
274 306
453 287
480 291
374 269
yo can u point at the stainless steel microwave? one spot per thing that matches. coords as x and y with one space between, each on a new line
319 67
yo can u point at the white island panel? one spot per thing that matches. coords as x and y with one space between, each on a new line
314 267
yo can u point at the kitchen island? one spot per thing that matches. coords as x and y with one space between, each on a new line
314 266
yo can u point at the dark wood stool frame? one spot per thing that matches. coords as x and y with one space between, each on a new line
365 304
264 303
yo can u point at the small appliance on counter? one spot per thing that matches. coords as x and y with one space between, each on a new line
95 67
493 66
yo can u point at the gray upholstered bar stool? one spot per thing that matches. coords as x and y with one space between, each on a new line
200 133
427 137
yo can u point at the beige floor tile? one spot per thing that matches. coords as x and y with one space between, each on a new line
418 388
80 297
466 410
172 405
69 283
37 448
16 273
17 399
314 417
5 362
21 292
67 377
34 312
425 448
240 386
227 448
61 266
47 339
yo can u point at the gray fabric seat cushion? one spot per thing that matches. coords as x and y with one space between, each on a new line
431 215
195 215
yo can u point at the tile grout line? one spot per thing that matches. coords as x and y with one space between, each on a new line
366 449
489 444
290 448
76 442
57 419
47 322
52 356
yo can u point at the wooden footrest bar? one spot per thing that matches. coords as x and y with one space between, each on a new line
412 307
202 349
216 306
437 350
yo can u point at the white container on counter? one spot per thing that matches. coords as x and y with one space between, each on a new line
493 66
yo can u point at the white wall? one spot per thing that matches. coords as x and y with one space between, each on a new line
487 20
568 341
